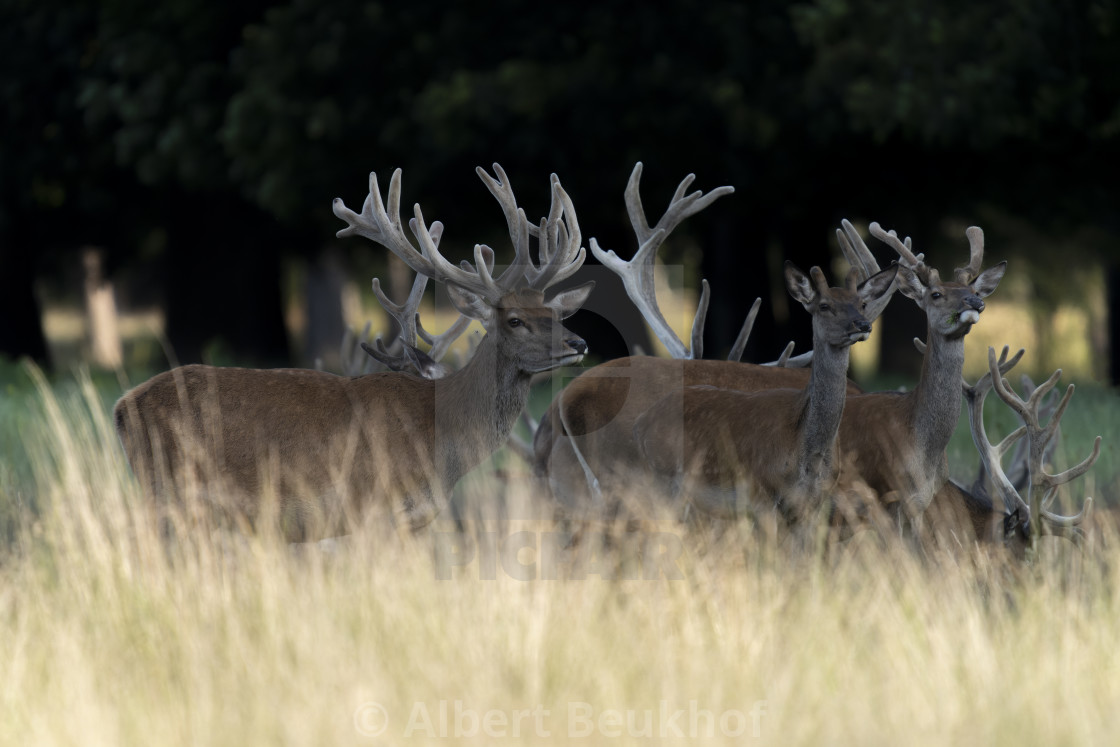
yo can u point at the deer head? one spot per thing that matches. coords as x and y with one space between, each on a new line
840 314
951 306
521 325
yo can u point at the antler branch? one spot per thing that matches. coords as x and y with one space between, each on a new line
855 250
991 456
1044 485
902 247
558 239
970 272
638 273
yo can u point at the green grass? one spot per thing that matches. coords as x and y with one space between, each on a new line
109 636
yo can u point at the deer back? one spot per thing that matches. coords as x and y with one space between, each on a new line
600 407
237 415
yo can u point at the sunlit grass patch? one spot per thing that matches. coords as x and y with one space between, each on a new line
110 635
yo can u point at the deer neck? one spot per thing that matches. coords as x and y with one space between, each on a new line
478 405
824 406
937 398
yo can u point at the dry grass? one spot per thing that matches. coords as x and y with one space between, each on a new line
107 636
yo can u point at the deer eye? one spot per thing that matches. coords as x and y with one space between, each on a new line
824 307
935 295
515 322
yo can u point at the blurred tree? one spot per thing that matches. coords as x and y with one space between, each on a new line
977 109
40 156
580 90
156 88
228 129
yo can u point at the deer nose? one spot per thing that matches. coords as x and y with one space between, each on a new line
863 326
577 344
974 302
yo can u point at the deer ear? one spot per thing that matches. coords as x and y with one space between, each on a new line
985 283
799 285
1011 523
878 285
468 303
424 364
909 285
566 303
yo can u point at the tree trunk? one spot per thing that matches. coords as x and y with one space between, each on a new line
103 330
21 334
325 325
1114 324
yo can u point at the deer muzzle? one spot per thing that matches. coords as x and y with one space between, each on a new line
571 351
974 305
859 330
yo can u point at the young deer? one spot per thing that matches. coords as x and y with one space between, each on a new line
728 451
897 441
322 451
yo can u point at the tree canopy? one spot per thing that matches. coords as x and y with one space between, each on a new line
210 139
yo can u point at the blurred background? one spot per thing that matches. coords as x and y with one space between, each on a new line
167 169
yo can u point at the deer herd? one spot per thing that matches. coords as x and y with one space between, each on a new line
794 442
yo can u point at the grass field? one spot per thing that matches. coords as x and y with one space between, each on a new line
107 636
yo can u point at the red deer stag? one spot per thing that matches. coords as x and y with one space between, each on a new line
584 447
896 441
332 450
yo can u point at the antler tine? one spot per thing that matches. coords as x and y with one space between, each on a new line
969 273
378 225
857 254
558 236
902 247
442 342
698 320
410 357
681 206
638 273
1044 485
799 361
353 360
783 359
1026 409
479 280
1019 472
996 369
559 240
855 250
405 314
407 317
1051 481
788 360
740 345
408 320
373 222
991 456
520 229
637 279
